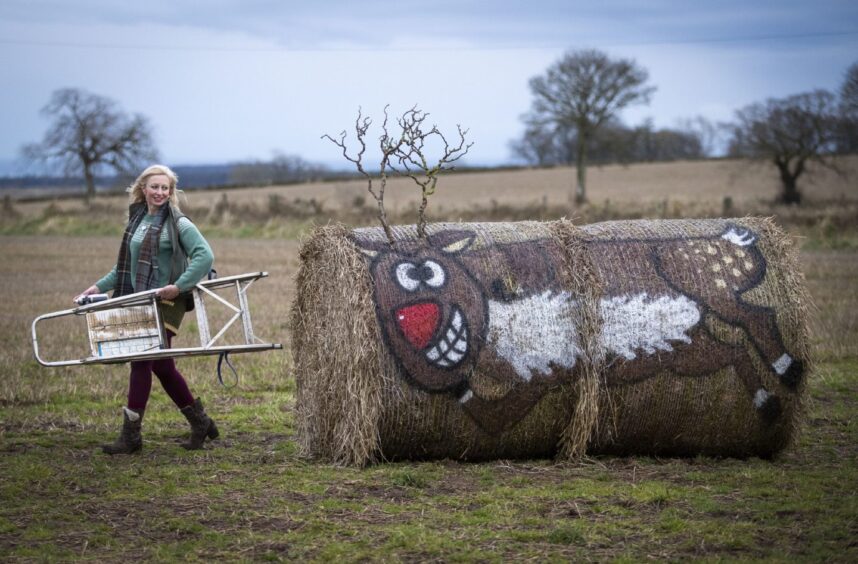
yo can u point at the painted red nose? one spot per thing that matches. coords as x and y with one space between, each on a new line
418 322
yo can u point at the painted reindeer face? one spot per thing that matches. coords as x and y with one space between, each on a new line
430 308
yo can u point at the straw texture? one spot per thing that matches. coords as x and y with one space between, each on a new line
337 352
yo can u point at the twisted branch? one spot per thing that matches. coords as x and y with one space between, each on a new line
406 156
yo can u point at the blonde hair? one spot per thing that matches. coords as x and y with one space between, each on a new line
135 191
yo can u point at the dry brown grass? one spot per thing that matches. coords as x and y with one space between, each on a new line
698 187
44 273
832 280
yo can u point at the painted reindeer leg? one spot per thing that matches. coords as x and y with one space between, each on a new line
496 398
726 267
687 360
498 415
761 327
768 405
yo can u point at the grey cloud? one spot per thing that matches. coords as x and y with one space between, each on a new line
505 23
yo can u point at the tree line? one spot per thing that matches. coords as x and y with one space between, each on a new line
574 118
614 142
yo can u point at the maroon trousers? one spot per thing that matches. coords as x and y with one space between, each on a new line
171 379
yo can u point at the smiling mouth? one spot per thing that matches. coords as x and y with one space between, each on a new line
451 348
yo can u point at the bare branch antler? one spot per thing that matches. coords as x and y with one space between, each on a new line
412 157
405 155
361 127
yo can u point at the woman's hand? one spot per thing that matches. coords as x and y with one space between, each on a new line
168 292
91 290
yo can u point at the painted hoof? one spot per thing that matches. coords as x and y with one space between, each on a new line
768 406
793 375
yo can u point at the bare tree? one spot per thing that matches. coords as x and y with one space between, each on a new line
789 132
90 132
704 131
848 137
652 145
583 90
537 146
545 144
613 142
849 91
404 153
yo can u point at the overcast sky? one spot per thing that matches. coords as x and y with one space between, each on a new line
227 80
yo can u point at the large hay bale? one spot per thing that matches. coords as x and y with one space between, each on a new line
536 339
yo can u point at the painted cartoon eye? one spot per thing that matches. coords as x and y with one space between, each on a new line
406 275
433 274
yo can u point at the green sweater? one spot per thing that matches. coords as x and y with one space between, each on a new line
200 256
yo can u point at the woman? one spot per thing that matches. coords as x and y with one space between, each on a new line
161 250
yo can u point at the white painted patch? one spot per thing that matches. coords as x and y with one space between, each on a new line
782 364
633 323
741 237
532 332
535 332
761 397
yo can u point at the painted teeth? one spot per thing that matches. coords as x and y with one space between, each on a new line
452 347
454 357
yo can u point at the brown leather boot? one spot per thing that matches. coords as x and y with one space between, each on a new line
202 425
130 439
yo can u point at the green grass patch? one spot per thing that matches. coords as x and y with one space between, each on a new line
249 496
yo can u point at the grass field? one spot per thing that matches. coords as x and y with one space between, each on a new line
249 496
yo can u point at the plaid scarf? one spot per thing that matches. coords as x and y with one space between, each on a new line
147 262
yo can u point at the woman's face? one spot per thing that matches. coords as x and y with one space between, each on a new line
157 190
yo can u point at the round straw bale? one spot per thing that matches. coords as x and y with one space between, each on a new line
535 339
